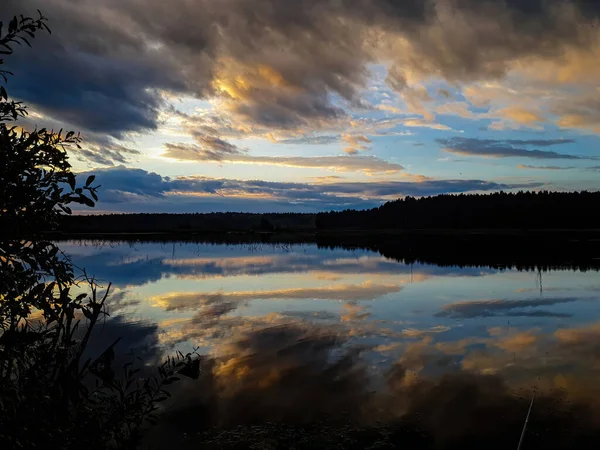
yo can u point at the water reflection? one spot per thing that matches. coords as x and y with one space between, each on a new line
301 333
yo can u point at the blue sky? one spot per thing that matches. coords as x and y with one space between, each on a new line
270 105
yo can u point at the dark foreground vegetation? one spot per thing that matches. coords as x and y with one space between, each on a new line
55 393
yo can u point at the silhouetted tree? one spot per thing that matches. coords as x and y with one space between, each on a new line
48 396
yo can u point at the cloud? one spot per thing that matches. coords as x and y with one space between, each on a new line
526 166
210 148
504 148
510 308
97 148
99 73
105 155
366 164
426 124
520 115
353 133
461 109
445 93
110 66
214 149
579 112
310 140
126 189
355 143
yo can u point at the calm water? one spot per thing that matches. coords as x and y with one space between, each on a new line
264 310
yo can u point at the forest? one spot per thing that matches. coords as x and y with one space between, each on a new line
542 210
501 210
186 223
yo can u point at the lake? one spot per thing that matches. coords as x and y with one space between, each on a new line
308 326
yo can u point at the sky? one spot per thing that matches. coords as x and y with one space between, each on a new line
312 105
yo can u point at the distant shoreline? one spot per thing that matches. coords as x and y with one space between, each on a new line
313 234
498 248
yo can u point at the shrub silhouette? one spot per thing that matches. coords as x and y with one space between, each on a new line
48 395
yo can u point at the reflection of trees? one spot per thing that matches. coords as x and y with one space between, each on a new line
528 252
523 252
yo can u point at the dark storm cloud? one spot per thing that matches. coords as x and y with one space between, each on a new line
510 308
98 148
95 71
125 185
504 148
105 64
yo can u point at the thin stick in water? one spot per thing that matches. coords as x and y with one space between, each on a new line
525 424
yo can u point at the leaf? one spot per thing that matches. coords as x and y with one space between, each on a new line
90 180
3 93
71 179
191 370
171 380
87 201
13 24
38 289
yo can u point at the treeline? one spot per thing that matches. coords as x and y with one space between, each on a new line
501 210
186 223
522 210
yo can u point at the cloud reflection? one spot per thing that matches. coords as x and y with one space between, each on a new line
509 308
361 351
348 292
140 263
